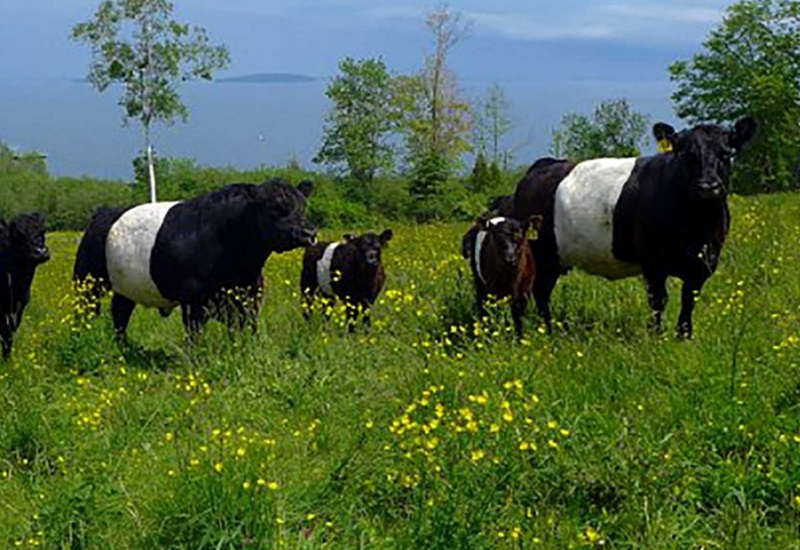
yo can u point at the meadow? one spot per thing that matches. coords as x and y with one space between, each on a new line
431 430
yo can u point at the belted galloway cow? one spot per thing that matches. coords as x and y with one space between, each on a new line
194 253
660 216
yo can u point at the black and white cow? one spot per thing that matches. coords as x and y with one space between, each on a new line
351 270
194 253
659 216
22 250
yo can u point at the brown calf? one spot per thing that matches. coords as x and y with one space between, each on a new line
502 262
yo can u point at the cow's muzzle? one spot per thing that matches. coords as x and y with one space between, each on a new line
710 189
307 236
40 255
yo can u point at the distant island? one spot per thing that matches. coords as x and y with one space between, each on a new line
268 78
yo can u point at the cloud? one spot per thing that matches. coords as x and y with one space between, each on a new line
643 22
667 14
522 27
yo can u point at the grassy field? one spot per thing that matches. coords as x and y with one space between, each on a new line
428 431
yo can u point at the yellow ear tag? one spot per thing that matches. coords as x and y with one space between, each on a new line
664 146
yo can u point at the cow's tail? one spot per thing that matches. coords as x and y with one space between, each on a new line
90 274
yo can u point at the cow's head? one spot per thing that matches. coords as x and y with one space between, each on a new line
25 236
708 150
369 246
508 236
281 211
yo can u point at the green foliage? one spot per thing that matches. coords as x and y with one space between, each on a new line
428 178
492 122
486 177
12 162
136 43
67 203
750 65
358 128
430 430
614 130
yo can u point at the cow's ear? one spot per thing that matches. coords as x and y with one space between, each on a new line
665 136
535 222
386 236
348 237
306 187
743 131
662 130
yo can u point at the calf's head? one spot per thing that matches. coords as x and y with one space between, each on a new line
281 214
507 236
369 247
25 235
708 151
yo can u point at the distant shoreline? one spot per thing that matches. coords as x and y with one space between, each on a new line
268 78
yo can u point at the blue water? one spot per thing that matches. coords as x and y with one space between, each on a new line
248 125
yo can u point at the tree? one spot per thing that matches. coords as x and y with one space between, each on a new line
750 65
437 120
358 127
136 43
614 130
492 122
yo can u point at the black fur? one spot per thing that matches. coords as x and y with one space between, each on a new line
671 218
207 246
22 250
360 273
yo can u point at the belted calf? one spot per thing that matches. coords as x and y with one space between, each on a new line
502 262
351 270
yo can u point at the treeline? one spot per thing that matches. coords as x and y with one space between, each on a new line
68 203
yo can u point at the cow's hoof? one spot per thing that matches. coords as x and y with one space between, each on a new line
683 332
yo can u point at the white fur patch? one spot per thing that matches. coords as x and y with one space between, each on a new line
584 217
496 221
478 247
324 269
128 249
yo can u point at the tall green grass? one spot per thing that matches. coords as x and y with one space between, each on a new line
428 431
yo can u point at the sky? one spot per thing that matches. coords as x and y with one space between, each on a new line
508 40
551 57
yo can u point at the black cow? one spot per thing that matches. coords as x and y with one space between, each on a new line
351 270
659 216
22 250
194 253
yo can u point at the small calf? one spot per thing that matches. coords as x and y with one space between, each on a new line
351 270
502 262
22 250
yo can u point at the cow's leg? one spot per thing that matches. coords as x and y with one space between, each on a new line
121 311
689 294
543 286
6 334
366 312
194 317
518 307
657 298
308 303
480 301
352 309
